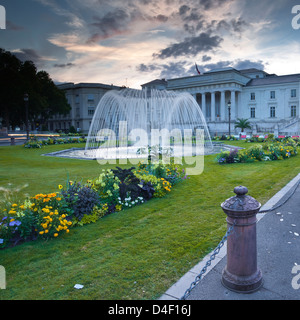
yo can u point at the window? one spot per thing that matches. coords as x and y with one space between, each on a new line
77 98
91 111
252 112
272 112
272 95
252 96
293 111
293 93
91 98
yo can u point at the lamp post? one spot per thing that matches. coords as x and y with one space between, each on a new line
26 99
229 115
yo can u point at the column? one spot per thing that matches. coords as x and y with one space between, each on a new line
223 108
233 105
213 106
204 104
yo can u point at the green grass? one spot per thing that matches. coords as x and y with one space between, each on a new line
134 254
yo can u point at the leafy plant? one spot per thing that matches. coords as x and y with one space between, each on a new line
81 199
242 124
129 183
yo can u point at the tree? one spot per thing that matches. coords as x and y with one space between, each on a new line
18 78
242 124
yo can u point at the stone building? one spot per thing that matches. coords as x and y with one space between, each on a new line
83 99
270 102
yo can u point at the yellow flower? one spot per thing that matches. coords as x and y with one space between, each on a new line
60 186
42 232
67 231
12 212
14 205
55 235
46 231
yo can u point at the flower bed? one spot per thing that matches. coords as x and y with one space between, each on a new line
34 143
270 150
75 204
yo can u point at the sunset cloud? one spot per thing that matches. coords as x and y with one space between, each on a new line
135 41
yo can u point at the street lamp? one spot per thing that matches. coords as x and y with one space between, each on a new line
229 115
26 99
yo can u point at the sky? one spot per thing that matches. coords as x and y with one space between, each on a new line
131 42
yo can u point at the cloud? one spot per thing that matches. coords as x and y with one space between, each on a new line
64 65
190 46
209 4
236 64
184 68
206 58
29 55
248 64
113 22
72 20
168 70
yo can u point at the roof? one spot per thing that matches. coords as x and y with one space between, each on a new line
71 85
156 81
252 70
269 80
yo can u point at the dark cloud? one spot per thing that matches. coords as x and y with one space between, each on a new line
236 64
30 55
173 69
161 18
209 4
235 25
167 70
183 10
184 69
147 68
248 64
111 23
64 65
190 46
206 58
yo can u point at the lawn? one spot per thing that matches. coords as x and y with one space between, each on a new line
134 254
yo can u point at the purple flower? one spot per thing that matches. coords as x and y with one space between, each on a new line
14 223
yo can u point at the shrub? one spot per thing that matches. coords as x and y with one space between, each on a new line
129 184
228 156
270 150
80 199
106 186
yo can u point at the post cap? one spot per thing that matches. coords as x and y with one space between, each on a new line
240 191
241 205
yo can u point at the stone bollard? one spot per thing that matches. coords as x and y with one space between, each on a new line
241 273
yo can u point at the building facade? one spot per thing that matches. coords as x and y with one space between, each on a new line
268 101
271 103
83 99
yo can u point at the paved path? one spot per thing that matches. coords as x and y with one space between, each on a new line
278 242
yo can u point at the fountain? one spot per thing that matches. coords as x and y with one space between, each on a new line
130 124
127 122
